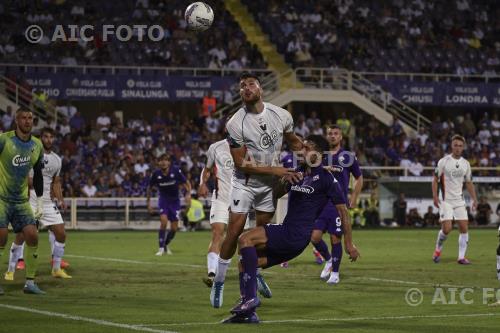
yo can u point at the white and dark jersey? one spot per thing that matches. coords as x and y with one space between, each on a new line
51 167
262 136
452 174
219 157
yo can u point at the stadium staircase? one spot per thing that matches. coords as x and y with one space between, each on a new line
336 86
20 97
256 36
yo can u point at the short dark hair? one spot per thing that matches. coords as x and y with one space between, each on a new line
164 157
458 137
319 141
49 130
23 109
249 75
334 126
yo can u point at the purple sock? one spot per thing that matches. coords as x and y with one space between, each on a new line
322 248
170 236
161 238
337 256
242 286
249 261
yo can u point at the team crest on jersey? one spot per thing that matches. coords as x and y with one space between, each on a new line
315 178
266 140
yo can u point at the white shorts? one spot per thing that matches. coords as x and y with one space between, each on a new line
219 211
51 214
245 198
452 210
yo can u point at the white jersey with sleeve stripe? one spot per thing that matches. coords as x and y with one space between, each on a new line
262 136
51 167
452 173
219 157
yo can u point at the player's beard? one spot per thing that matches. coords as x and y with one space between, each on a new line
26 130
47 147
252 99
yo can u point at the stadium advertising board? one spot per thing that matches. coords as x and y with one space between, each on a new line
127 87
445 93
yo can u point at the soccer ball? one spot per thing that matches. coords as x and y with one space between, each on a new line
199 16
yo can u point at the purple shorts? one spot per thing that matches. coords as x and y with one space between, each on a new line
284 243
169 207
330 223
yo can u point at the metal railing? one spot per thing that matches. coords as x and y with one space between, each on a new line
27 99
341 79
85 69
430 77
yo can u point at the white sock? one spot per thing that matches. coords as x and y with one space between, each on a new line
58 254
223 265
14 254
52 239
212 262
21 255
498 267
440 240
463 239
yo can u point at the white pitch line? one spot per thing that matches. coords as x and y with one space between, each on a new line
129 261
416 283
313 320
84 319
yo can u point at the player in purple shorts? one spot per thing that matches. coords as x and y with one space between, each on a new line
343 163
270 245
168 179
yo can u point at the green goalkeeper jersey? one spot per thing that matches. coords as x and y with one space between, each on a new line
17 158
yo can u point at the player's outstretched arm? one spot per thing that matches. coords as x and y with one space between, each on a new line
57 188
248 165
293 141
358 186
346 227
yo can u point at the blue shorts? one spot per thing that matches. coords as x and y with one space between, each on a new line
18 215
171 208
284 243
330 223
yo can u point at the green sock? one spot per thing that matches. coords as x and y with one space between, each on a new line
31 260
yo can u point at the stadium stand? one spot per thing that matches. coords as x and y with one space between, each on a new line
453 36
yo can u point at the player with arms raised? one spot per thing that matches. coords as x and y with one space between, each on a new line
19 153
51 218
451 172
255 135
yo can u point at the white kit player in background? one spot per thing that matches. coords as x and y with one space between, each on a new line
451 173
51 218
255 135
220 165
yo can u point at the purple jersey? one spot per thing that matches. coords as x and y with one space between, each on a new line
168 184
307 198
344 163
288 161
305 202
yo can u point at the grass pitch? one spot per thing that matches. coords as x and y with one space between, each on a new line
119 285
